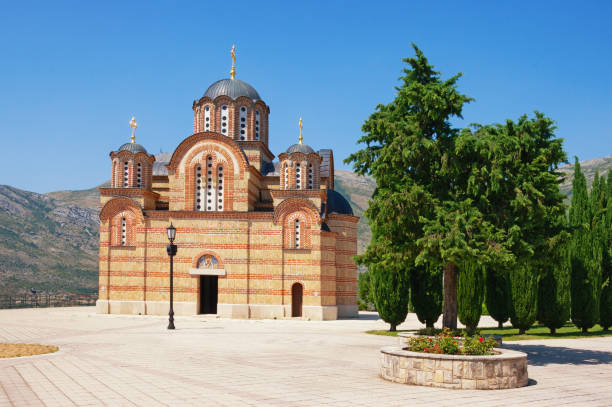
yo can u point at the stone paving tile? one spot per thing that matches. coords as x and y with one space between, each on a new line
132 360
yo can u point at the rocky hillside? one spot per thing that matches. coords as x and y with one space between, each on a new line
357 190
46 244
601 165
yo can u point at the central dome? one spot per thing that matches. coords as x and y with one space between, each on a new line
233 88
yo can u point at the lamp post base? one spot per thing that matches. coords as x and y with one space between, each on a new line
171 320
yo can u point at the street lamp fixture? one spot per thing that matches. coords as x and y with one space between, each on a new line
171 252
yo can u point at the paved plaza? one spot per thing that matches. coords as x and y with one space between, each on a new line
134 361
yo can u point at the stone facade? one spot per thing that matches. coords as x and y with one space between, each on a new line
251 244
505 370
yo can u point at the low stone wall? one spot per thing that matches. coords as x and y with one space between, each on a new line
505 370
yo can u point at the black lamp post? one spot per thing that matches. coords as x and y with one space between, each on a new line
171 252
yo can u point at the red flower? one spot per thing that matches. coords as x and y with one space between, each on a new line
480 339
425 349
430 339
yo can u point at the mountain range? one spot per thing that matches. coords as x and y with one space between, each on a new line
50 241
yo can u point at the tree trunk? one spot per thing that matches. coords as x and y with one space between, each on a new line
553 331
429 324
449 319
585 330
392 328
522 331
500 325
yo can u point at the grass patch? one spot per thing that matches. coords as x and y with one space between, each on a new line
14 350
569 331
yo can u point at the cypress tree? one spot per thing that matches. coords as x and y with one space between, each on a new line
554 290
585 256
524 292
498 296
605 300
426 289
470 294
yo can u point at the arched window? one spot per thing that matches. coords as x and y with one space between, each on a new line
310 177
297 233
139 175
123 232
220 188
126 179
199 193
207 118
298 176
257 124
210 190
286 175
224 119
243 123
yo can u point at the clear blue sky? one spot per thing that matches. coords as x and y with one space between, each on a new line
73 73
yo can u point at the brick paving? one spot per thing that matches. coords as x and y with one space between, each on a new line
135 361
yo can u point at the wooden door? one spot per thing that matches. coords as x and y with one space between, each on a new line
296 300
208 294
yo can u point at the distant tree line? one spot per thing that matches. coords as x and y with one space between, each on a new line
462 217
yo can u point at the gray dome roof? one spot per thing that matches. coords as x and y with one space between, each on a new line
233 88
133 148
300 148
336 203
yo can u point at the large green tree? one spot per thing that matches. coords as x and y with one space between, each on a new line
444 196
585 255
407 147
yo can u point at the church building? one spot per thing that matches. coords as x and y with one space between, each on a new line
258 236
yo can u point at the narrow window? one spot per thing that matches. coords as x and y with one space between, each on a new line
210 190
123 232
298 176
220 188
286 174
243 123
310 177
224 119
199 193
139 175
207 118
257 125
297 233
125 174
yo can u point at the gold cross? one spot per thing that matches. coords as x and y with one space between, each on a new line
233 71
300 126
134 126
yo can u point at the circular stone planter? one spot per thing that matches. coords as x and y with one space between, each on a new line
506 369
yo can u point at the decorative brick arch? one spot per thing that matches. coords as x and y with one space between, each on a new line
291 205
113 213
121 204
183 149
297 208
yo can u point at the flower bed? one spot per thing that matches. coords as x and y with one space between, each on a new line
504 369
445 343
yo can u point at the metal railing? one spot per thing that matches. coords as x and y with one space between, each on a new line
46 300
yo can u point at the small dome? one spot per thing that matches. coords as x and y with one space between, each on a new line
133 148
336 203
300 148
324 227
233 88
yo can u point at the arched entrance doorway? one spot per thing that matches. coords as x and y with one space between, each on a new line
296 300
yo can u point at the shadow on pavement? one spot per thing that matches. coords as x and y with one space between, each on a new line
542 355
